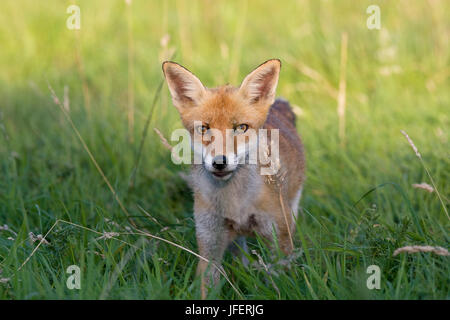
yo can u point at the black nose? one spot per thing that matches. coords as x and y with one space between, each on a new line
219 162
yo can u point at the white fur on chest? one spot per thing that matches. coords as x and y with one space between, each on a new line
233 199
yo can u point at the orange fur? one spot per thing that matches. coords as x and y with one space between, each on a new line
246 203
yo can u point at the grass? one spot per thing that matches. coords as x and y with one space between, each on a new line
358 206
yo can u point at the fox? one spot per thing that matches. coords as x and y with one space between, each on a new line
232 199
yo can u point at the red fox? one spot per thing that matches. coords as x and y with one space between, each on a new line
232 198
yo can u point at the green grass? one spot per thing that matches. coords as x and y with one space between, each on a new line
397 78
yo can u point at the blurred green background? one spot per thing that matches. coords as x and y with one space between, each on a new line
107 74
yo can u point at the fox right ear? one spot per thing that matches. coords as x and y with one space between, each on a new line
185 88
260 85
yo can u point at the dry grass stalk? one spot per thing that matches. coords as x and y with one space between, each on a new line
424 186
119 267
298 110
5 227
414 249
413 146
314 75
277 180
308 284
139 232
166 52
237 44
4 280
33 238
341 99
437 79
66 101
286 220
184 28
166 143
340 94
163 139
267 269
144 133
108 235
411 143
43 238
86 148
82 73
130 95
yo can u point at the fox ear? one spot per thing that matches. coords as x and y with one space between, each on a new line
185 88
260 85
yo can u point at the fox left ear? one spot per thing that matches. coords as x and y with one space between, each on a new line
261 84
185 88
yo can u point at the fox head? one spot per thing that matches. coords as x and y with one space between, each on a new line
223 119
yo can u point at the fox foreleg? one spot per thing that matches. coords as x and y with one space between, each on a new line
212 239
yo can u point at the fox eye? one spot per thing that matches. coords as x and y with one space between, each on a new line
241 128
202 129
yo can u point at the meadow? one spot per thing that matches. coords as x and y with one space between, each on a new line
86 181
